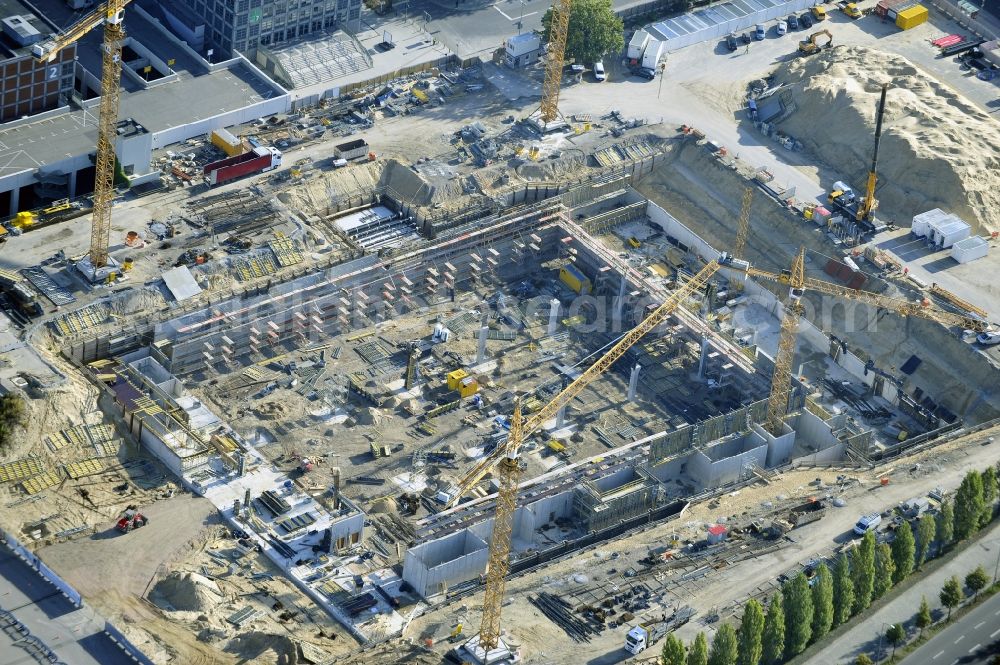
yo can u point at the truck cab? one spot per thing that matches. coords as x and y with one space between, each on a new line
637 640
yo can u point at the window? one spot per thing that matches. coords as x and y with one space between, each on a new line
243 5
266 25
265 40
241 34
330 22
241 19
317 26
254 30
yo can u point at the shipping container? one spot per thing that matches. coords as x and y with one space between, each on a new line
970 249
889 8
351 149
912 17
950 232
637 44
655 51
921 224
574 279
256 161
226 142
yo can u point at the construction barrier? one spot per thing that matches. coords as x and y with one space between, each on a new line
50 576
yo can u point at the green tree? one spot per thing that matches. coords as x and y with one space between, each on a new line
895 635
926 529
945 524
822 593
698 655
885 570
673 652
594 30
924 618
774 630
863 572
863 659
798 614
989 478
903 549
724 647
751 635
843 591
969 505
951 594
977 580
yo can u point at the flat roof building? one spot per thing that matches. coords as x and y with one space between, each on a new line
27 86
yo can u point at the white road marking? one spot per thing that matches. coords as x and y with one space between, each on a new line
938 655
502 14
995 633
960 638
976 627
974 648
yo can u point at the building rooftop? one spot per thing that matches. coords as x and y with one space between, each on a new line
32 145
20 27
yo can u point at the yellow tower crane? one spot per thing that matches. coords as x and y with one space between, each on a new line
743 230
556 59
111 15
506 460
798 283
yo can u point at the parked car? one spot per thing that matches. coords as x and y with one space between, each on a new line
759 31
805 21
867 523
793 22
731 42
599 71
988 338
647 73
745 38
782 28
819 13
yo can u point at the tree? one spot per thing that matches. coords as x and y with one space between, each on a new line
895 635
863 572
724 648
903 549
822 597
989 495
977 580
863 659
951 594
673 652
594 30
926 529
945 524
798 614
885 570
12 416
774 630
924 618
751 635
698 655
843 591
968 505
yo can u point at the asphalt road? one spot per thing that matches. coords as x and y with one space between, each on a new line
972 640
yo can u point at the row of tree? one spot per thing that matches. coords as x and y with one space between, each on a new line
806 609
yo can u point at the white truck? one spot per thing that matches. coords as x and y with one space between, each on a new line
867 523
637 45
647 634
655 51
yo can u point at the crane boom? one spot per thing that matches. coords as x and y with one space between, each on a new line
867 207
112 14
556 58
694 285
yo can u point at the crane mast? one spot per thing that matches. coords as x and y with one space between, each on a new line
781 380
556 57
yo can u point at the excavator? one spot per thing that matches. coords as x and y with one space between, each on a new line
811 45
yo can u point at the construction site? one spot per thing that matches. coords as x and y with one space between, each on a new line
440 372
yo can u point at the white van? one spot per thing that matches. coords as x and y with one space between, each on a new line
867 523
599 71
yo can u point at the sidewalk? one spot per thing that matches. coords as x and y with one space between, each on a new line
864 637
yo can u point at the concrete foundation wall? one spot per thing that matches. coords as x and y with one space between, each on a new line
546 510
712 473
812 433
432 567
779 449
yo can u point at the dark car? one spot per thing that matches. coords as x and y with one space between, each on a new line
746 38
731 41
647 73
806 21
793 22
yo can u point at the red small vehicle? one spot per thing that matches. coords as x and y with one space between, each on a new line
131 519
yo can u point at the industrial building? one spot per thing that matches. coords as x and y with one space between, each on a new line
28 87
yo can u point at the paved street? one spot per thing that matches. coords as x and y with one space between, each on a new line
974 639
864 637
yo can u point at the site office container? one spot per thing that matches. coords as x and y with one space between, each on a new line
911 17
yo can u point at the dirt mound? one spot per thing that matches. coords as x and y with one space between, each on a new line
186 592
938 150
258 647
408 185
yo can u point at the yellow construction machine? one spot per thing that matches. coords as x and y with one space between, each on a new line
811 45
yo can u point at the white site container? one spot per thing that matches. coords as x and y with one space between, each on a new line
970 249
922 222
637 44
950 231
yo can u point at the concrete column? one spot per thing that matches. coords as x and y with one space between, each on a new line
553 316
633 381
620 303
72 184
481 354
561 418
704 355
15 195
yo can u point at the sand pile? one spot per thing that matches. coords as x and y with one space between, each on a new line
186 592
415 189
132 301
318 193
258 647
938 149
370 415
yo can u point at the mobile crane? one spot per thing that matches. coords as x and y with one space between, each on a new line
843 197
